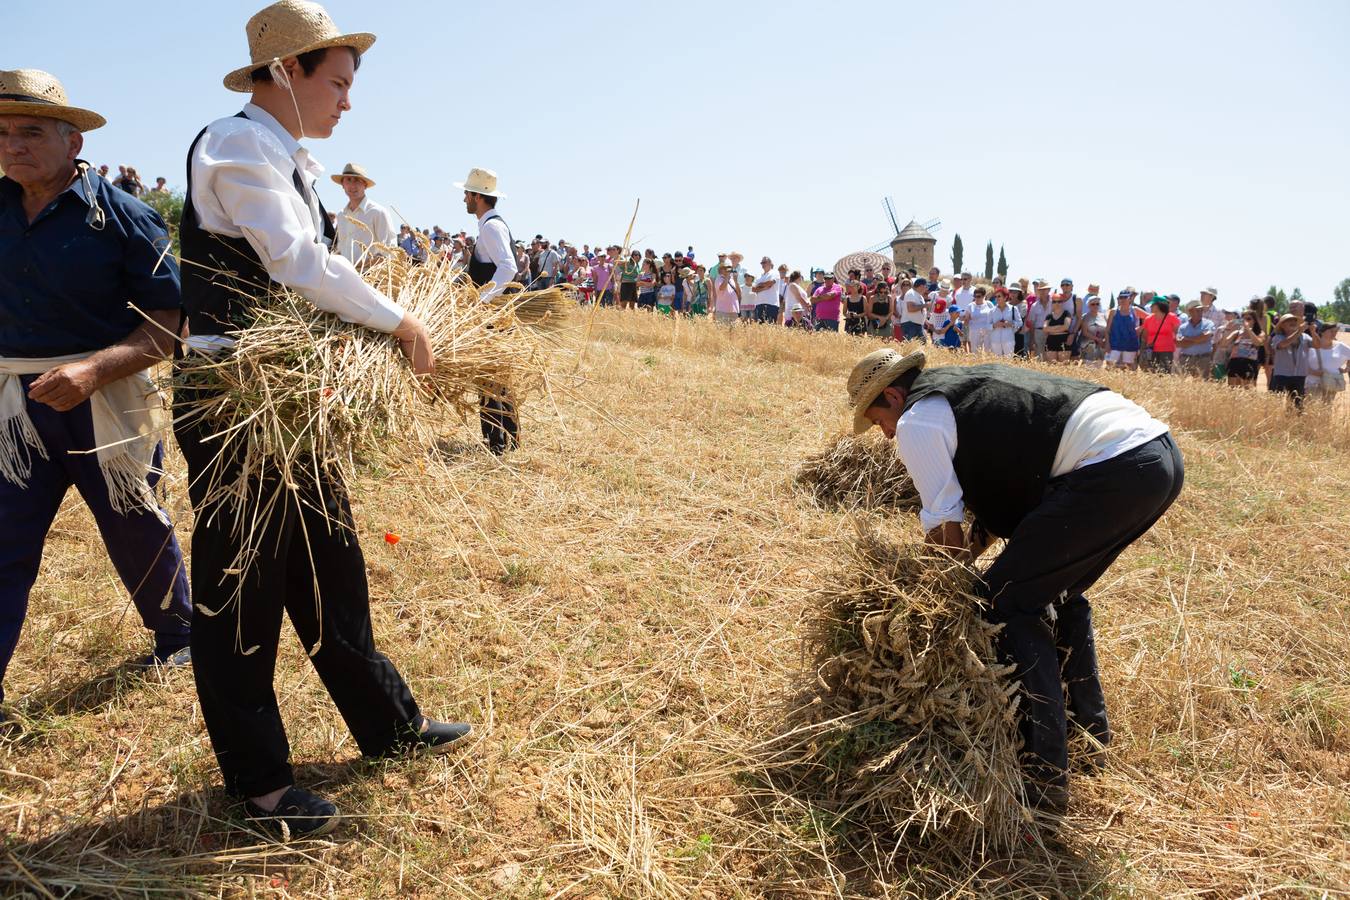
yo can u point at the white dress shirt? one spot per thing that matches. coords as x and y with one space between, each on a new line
494 246
358 229
243 186
1104 426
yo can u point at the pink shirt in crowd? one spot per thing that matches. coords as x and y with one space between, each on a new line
600 273
725 295
827 302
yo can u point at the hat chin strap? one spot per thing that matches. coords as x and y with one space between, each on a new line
280 77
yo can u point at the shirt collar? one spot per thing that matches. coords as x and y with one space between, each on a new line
76 187
294 148
487 215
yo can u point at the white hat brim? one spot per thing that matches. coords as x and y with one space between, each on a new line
464 187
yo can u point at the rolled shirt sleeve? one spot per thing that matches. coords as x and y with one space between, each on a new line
243 176
925 437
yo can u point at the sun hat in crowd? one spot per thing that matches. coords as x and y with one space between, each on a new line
1213 292
354 171
1064 281
686 272
482 181
1093 298
872 375
945 284
829 275
32 92
1127 291
289 28
1287 317
1190 305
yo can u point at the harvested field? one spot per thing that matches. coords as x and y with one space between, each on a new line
620 609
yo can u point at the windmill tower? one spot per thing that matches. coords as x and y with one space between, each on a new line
912 245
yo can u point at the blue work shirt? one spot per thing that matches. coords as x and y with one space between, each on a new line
65 286
1187 330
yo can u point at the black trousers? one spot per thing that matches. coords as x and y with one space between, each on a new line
501 426
313 570
1036 590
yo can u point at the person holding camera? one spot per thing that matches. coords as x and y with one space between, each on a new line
1290 346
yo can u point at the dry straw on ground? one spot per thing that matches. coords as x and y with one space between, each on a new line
619 609
858 473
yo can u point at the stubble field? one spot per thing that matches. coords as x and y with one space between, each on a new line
618 609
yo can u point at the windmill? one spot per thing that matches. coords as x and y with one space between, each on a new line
889 205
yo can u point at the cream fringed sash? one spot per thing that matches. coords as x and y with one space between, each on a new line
129 415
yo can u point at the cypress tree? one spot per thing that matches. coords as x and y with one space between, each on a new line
1002 263
958 255
989 261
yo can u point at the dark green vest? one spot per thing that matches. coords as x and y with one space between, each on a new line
1008 424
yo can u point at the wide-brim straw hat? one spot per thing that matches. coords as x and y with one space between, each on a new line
872 375
352 170
289 28
481 181
32 92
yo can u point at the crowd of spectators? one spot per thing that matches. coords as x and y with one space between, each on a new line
1150 330
128 180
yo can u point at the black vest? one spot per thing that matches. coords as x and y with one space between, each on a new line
222 276
480 270
1008 425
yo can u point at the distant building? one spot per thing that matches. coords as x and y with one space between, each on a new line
913 247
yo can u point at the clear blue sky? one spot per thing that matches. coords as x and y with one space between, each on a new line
1162 144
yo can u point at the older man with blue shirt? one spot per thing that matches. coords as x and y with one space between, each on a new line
1195 342
89 300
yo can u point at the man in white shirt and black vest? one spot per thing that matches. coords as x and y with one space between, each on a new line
1069 474
252 217
492 261
362 223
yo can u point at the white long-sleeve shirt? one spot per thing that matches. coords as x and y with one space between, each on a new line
1104 426
243 186
361 228
494 246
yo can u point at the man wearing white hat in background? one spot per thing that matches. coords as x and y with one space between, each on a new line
362 223
1089 473
252 217
491 261
74 253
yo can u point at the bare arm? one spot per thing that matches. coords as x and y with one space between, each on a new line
66 387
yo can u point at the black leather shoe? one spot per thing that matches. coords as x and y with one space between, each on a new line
298 814
440 735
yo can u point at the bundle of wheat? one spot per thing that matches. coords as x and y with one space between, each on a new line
310 397
858 473
908 729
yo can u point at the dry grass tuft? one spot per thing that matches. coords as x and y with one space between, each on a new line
858 473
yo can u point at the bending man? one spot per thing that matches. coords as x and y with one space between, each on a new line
1069 473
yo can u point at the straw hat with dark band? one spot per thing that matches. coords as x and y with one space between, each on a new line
30 92
287 29
354 171
872 375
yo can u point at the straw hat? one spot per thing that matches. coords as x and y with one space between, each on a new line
31 92
355 171
481 181
289 28
872 375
